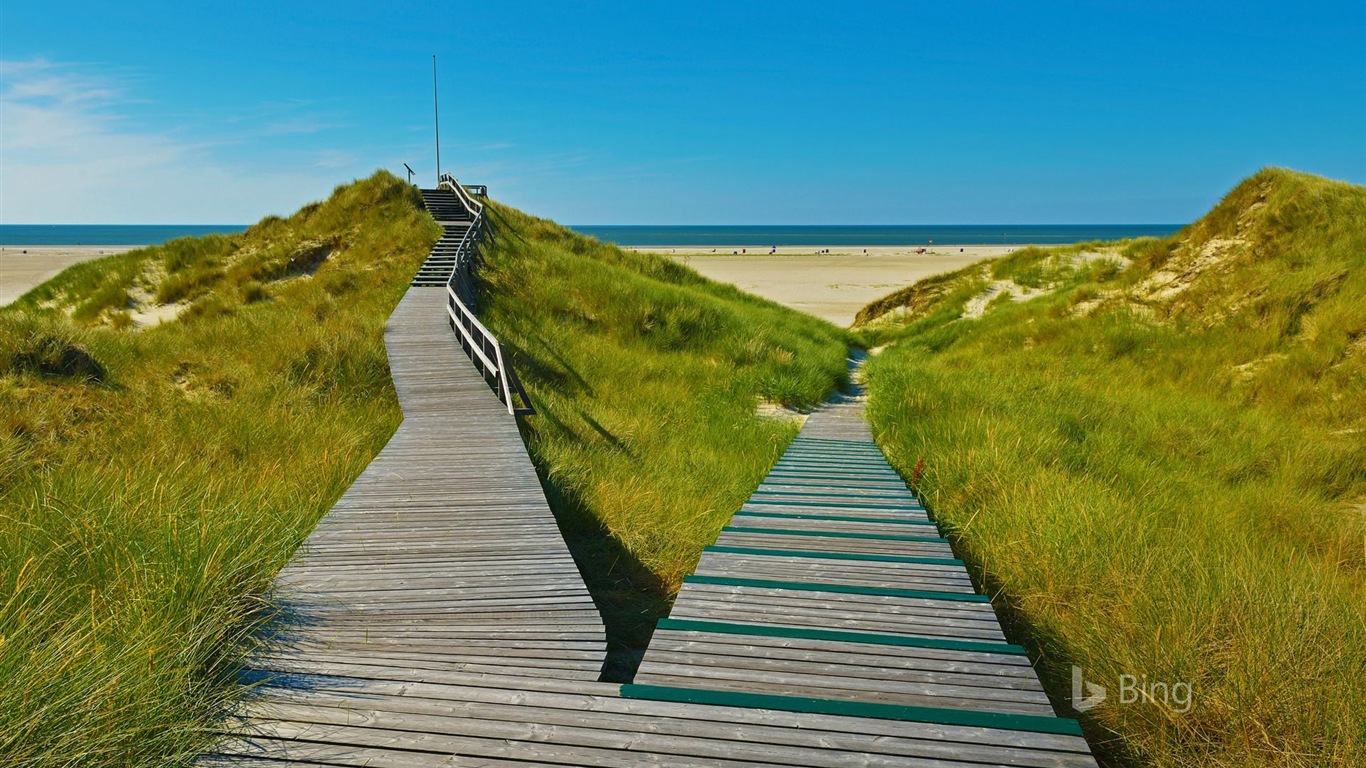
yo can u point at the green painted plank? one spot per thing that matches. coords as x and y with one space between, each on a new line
807 468
837 518
903 492
844 589
839 636
826 467
786 478
825 481
880 467
863 455
907 496
805 479
865 449
859 455
833 555
836 534
935 715
829 441
835 505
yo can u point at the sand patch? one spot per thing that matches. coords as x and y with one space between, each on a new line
833 286
24 267
1174 279
977 305
767 409
155 314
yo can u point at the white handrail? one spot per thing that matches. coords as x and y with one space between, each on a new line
463 318
475 206
459 318
465 249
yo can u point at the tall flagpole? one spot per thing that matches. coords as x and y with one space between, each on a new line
436 117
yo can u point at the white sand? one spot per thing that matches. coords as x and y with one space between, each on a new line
833 286
24 266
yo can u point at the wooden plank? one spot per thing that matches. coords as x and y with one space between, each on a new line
829 555
947 716
436 618
835 588
804 562
873 638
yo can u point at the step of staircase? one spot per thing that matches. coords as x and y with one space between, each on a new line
455 220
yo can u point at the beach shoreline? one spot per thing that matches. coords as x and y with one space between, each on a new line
832 282
978 250
23 267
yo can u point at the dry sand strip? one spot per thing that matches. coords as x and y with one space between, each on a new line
833 286
22 267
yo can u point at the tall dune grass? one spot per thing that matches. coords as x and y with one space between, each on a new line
1166 485
646 377
152 481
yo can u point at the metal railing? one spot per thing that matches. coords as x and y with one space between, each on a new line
479 343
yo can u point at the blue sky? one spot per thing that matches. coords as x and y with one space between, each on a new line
696 113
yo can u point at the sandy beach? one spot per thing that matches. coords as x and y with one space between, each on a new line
24 266
835 285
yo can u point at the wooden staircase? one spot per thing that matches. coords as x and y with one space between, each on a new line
455 221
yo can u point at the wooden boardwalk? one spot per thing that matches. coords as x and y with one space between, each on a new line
441 622
832 592
443 555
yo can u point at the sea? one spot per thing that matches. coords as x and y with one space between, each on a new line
651 235
863 235
107 234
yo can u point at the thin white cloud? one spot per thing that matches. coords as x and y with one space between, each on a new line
72 152
334 158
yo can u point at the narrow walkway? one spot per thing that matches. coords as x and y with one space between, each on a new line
831 591
442 556
829 626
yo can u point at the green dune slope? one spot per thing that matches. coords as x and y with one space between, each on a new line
1154 453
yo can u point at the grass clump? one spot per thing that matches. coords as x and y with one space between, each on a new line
153 481
1160 470
46 349
646 378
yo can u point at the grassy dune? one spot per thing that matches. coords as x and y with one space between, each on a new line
152 481
646 377
1158 462
154 477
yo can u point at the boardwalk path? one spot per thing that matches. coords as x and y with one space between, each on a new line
831 591
415 658
436 617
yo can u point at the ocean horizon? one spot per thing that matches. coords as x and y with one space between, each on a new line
108 234
659 235
870 235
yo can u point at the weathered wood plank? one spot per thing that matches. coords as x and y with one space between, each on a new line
435 617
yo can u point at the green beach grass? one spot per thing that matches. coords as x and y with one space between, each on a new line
646 377
153 478
1157 465
152 481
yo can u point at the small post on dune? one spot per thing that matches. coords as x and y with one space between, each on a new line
436 119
